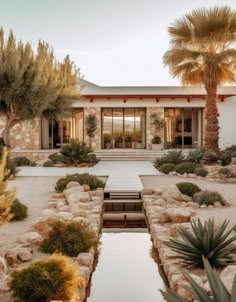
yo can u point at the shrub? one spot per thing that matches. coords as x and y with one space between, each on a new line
224 171
56 158
174 157
208 198
200 171
48 163
83 179
167 168
217 287
69 238
56 278
186 167
11 168
206 241
196 155
159 162
18 210
211 157
188 188
75 153
21 161
230 149
225 158
156 140
233 154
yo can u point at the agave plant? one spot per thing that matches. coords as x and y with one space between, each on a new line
218 289
205 241
196 155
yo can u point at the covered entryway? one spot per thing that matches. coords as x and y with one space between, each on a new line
123 128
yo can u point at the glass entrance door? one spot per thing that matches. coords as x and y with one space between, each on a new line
123 128
183 127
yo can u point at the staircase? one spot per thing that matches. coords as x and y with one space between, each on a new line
131 154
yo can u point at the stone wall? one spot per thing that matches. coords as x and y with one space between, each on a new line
24 135
96 140
150 130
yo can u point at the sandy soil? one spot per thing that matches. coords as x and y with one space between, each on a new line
34 192
228 191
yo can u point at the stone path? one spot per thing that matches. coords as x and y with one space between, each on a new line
122 175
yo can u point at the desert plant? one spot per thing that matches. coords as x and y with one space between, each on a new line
76 153
205 240
196 155
21 161
18 210
11 168
218 289
186 167
69 238
156 140
208 198
91 127
233 154
158 162
230 149
56 158
188 188
6 197
48 163
55 278
174 157
211 157
166 168
225 158
93 181
200 171
226 172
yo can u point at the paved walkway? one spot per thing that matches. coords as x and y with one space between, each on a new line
122 175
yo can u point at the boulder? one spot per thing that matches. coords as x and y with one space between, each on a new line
58 196
48 212
4 284
78 197
85 259
72 184
186 198
24 255
67 192
172 192
42 225
3 266
11 257
227 276
192 175
187 294
85 272
147 191
173 173
86 188
217 204
31 238
66 216
193 204
178 215
160 202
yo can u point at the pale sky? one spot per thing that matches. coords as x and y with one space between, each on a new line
113 42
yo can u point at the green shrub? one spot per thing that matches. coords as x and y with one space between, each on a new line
225 158
186 167
208 198
56 278
213 243
76 153
200 171
174 157
19 210
196 155
230 149
233 154
217 288
11 168
211 157
56 158
84 179
69 238
156 140
48 163
159 162
21 161
188 188
167 168
224 171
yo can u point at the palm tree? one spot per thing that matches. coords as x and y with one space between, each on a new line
202 52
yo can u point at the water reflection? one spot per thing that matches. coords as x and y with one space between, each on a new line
126 271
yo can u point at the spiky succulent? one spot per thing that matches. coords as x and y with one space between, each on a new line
213 243
218 289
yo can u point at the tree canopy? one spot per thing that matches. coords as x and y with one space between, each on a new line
202 51
34 84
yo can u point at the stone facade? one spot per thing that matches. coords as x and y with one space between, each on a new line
150 129
96 140
24 135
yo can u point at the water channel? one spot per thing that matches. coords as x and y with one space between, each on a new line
126 270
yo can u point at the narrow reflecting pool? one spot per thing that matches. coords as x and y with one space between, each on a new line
126 270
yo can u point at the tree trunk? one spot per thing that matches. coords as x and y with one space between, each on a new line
212 124
6 132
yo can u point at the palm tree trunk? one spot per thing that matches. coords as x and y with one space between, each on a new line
212 124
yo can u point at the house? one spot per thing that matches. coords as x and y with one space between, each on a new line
124 120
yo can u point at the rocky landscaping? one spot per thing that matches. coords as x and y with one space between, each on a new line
76 204
166 210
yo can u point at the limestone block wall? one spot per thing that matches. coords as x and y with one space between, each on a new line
24 135
150 129
96 140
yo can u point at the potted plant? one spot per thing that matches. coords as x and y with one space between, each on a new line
156 143
233 158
